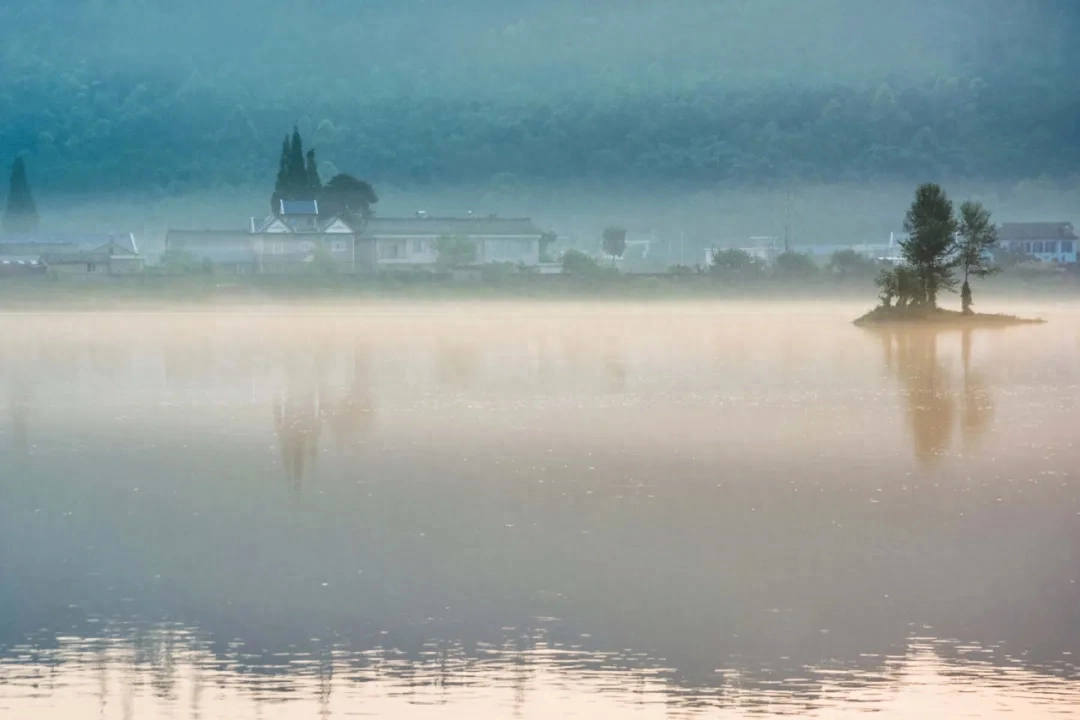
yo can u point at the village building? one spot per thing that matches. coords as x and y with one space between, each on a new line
387 243
293 239
73 254
1045 241
21 265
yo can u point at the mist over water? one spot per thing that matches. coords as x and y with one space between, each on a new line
268 484
536 509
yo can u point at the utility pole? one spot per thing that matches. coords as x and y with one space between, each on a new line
787 221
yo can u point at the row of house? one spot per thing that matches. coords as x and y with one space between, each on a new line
1049 242
299 234
70 254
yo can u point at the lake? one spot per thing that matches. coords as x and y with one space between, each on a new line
513 510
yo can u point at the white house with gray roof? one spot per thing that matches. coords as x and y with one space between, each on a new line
76 254
1045 241
287 242
406 242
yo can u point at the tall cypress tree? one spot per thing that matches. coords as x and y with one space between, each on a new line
282 182
298 180
20 217
314 183
298 175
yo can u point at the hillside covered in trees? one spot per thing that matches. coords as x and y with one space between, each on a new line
150 96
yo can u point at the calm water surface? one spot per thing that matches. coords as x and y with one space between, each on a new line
536 511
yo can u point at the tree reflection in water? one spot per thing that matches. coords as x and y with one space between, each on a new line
934 405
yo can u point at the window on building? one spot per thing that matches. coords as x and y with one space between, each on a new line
1050 246
1036 247
1066 246
338 246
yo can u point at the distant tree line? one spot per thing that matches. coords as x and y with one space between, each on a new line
126 133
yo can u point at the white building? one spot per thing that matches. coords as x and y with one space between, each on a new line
1045 241
412 242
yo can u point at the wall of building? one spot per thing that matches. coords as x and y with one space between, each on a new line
515 250
421 251
1062 251
125 265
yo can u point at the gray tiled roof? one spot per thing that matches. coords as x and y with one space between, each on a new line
384 227
73 241
1037 231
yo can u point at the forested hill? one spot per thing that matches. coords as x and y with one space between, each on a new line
165 96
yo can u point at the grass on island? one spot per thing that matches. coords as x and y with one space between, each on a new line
915 314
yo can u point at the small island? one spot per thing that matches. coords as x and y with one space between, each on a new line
939 317
939 244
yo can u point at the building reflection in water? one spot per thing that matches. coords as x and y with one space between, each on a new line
350 415
936 403
309 403
297 424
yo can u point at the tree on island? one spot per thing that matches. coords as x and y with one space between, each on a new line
937 244
20 217
928 249
976 242
614 242
900 284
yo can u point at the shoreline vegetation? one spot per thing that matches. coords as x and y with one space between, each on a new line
119 292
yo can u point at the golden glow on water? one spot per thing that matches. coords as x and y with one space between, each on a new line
100 679
536 510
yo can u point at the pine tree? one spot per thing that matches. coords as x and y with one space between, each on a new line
21 216
928 250
314 183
